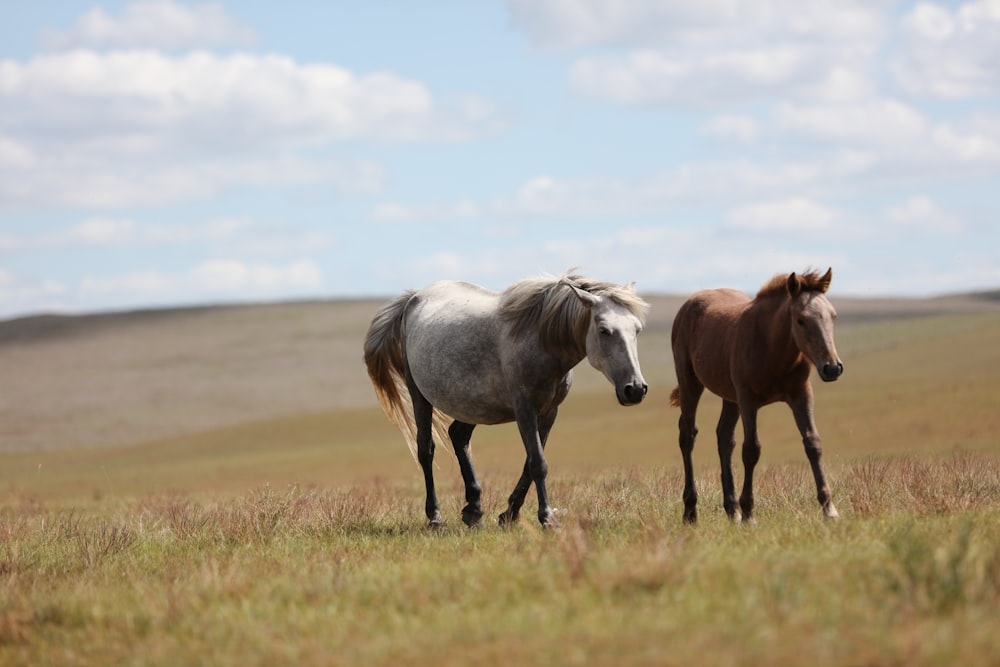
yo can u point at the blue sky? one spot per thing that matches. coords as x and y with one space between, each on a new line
158 152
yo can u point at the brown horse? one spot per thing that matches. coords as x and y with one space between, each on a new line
753 353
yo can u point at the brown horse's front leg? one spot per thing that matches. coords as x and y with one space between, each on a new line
802 409
751 454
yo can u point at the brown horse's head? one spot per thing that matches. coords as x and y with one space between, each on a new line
812 317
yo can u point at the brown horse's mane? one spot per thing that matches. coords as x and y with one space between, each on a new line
811 281
550 306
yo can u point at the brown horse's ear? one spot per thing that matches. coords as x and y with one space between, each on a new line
794 285
824 282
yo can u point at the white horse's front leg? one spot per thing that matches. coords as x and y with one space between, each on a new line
536 465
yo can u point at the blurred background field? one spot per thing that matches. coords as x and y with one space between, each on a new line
226 399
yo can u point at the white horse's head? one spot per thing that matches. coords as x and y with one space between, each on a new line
612 340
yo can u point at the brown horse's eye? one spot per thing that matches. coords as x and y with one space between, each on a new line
801 321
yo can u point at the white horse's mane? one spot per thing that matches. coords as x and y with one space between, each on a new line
551 306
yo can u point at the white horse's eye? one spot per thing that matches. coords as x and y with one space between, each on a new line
604 331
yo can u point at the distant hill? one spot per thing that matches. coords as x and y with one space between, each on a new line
118 378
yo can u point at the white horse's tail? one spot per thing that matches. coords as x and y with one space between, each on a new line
386 367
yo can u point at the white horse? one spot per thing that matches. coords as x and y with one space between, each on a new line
453 355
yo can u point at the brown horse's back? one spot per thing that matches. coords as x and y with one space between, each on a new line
702 338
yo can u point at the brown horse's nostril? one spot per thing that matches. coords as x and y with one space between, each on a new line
831 372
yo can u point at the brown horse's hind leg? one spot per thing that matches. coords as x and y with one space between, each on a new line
725 433
687 396
802 408
460 434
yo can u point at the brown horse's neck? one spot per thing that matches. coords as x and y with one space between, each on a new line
774 328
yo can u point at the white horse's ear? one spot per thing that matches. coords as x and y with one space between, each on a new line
588 299
631 287
824 282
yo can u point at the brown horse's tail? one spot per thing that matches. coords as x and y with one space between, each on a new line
386 368
675 397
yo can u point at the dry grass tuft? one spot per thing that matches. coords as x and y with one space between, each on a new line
959 483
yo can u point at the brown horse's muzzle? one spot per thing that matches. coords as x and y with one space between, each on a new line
829 372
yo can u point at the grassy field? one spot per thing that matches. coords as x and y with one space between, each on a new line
217 487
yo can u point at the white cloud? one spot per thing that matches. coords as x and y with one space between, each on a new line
745 129
950 53
972 141
796 214
127 128
393 212
106 183
878 123
661 258
578 23
14 154
242 236
214 280
713 53
897 141
19 294
222 279
126 101
546 197
713 79
233 275
922 214
154 24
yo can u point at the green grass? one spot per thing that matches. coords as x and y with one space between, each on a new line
910 575
301 539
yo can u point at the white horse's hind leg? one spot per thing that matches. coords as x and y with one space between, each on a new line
460 434
423 414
